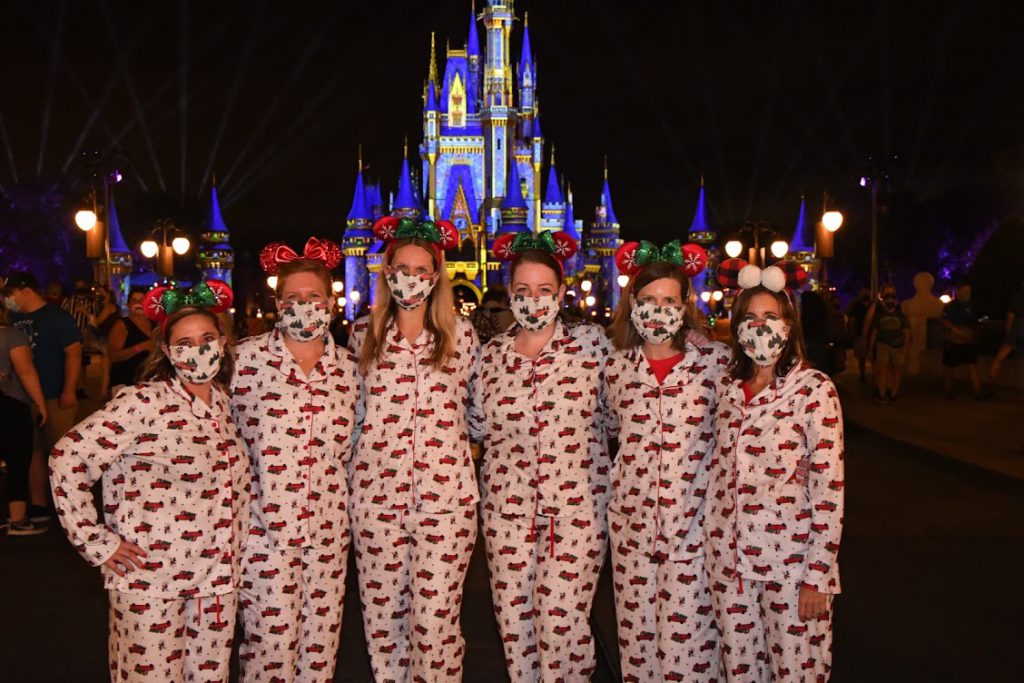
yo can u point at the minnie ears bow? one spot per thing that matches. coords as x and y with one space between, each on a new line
277 253
558 244
737 273
632 257
441 233
162 302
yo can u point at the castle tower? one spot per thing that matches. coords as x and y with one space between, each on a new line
536 163
702 233
801 246
553 208
431 130
119 259
574 265
473 56
215 258
497 100
600 245
357 239
527 82
405 203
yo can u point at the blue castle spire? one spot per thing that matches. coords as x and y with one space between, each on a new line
537 132
117 243
569 227
526 55
605 206
431 103
553 194
361 210
405 201
216 258
800 242
473 41
700 217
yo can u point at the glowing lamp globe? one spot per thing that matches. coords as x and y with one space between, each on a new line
85 220
149 248
623 280
355 296
590 300
586 285
180 245
733 248
717 295
779 248
272 281
337 286
945 298
705 296
832 220
343 301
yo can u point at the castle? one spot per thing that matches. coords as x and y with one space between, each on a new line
482 168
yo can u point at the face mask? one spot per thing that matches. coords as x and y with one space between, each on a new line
536 312
305 320
656 324
763 341
197 364
409 291
10 304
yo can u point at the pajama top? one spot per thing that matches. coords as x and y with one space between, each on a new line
775 503
176 483
298 431
413 435
666 436
544 424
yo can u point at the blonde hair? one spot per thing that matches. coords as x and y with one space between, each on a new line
440 314
621 331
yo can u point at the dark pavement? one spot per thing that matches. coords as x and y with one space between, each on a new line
932 562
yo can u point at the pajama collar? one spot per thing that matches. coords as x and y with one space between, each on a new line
773 392
561 338
199 408
287 365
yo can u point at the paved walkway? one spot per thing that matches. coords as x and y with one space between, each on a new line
983 434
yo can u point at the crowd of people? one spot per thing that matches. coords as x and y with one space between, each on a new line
235 476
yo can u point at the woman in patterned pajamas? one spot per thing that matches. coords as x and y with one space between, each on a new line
293 399
661 392
775 499
412 481
176 498
545 472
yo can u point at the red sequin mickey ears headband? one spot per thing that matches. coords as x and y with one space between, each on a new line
277 253
738 274
632 257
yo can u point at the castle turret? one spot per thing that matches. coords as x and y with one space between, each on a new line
405 203
553 209
497 99
215 257
473 56
574 265
526 81
513 207
357 239
536 163
600 245
700 229
119 257
431 131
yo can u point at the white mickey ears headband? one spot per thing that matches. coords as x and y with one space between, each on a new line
737 273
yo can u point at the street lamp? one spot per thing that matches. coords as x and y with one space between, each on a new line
586 285
163 243
354 295
180 245
832 220
705 296
337 286
733 248
623 280
756 253
85 220
590 300
272 281
779 248
149 248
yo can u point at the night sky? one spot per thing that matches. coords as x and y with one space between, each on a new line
767 102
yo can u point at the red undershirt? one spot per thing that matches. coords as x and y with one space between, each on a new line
748 393
663 366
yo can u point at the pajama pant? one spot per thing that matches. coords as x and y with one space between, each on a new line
291 601
543 586
763 638
184 639
666 623
412 566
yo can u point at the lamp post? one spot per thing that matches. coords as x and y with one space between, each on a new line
164 242
824 246
756 254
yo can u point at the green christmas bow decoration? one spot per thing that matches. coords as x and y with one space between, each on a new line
410 227
542 241
201 295
648 253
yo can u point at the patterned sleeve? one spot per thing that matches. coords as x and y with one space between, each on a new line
355 344
825 486
603 353
79 460
612 369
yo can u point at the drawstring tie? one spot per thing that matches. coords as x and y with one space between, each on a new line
551 533
199 610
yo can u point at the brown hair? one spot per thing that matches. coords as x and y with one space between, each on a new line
539 257
303 265
440 314
624 335
742 367
158 366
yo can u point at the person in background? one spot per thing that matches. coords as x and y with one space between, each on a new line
54 294
774 510
1014 342
129 342
959 324
19 390
176 493
83 305
856 314
888 343
108 313
57 353
814 314
492 316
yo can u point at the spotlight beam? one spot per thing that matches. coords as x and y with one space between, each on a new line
7 147
183 97
50 81
140 115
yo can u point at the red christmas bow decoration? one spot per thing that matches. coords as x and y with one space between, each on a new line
276 253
